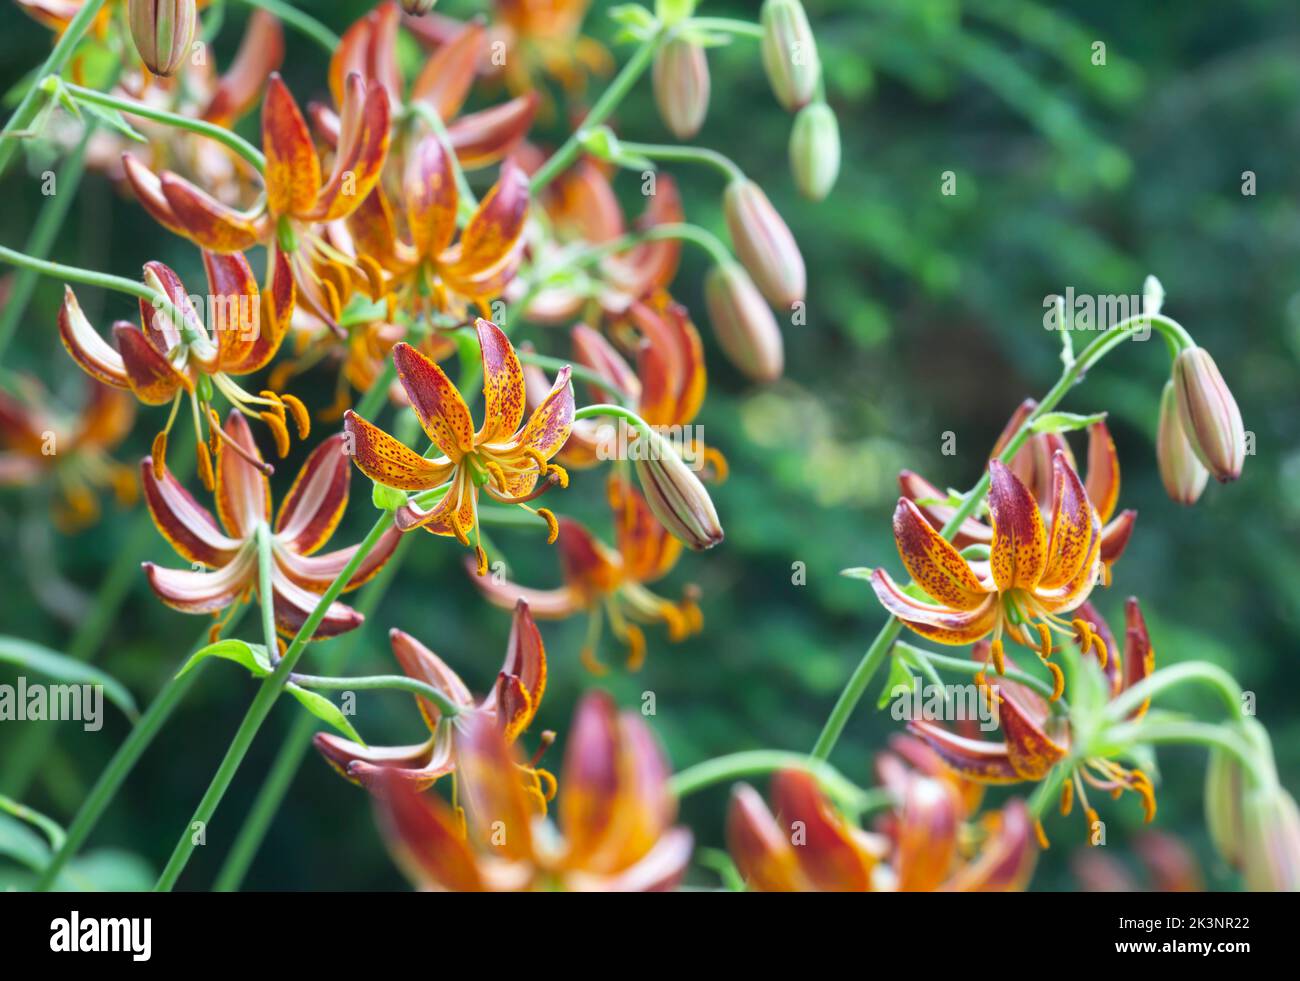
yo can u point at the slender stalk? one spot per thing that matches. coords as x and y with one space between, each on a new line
262 702
76 274
686 154
121 765
33 98
303 23
879 649
734 766
965 666
265 567
380 682
728 25
606 104
1223 684
219 133
578 371
1196 733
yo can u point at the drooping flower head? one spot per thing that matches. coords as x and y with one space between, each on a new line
306 520
610 584
175 355
614 827
504 459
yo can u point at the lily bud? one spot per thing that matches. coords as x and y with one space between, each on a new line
162 31
743 323
764 244
1209 414
1183 475
1270 842
815 150
681 87
418 8
1224 789
789 53
675 495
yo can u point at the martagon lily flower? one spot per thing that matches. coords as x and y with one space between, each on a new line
1034 739
921 853
306 520
611 584
511 706
615 816
507 462
1036 571
164 361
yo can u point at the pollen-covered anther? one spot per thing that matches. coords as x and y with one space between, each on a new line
1058 680
592 663
1093 820
552 525
1067 798
1041 835
1083 634
1141 783
558 475
497 473
276 405
279 430
159 453
635 648
214 430
547 779
458 531
374 276
539 461
999 656
204 464
481 555
1044 640
301 417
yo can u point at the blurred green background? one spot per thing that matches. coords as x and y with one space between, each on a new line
925 315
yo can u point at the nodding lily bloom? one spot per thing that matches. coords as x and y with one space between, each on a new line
507 462
511 706
72 451
611 584
369 48
164 360
614 824
1032 464
306 520
1034 739
1035 572
923 851
427 270
293 217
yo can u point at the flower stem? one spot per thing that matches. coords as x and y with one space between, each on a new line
577 370
379 682
1202 672
304 24
76 274
964 666
265 698
266 593
734 766
1197 733
606 104
727 25
34 96
686 154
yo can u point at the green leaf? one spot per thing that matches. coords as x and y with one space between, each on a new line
899 674
1064 422
22 844
325 710
114 120
251 656
60 667
49 827
857 572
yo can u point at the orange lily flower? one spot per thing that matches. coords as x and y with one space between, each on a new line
608 583
1170 866
1035 572
1033 465
1034 739
923 852
615 816
36 444
508 462
166 361
300 203
510 706
306 520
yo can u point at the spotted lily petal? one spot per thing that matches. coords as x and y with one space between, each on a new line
974 759
917 489
1103 471
1074 528
936 622
204 592
830 856
316 572
260 52
429 188
439 406
493 231
293 605
186 524
1031 750
385 459
481 138
368 49
503 384
937 567
93 354
243 492
206 221
1019 551
311 510
522 679
151 376
292 173
363 148
548 427
148 191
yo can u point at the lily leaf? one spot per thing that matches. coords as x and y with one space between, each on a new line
251 656
21 844
1064 422
114 120
857 572
899 674
325 710
60 667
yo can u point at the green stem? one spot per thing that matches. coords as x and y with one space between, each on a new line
49 827
302 23
879 649
265 567
961 665
577 370
1193 671
379 682
617 411
1045 792
121 765
734 766
1196 733
55 63
686 154
606 104
262 702
76 274
219 133
729 25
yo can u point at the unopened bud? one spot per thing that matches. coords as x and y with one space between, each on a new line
1270 841
764 244
790 53
675 494
815 150
1183 475
743 323
1209 414
163 31
681 87
418 8
1224 792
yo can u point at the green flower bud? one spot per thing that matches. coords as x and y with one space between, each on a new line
815 150
162 31
790 53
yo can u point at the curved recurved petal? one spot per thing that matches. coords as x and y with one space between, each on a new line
368 48
1139 655
546 604
659 870
937 567
936 622
235 307
456 514
429 189
316 572
148 191
548 427
420 764
830 856
1006 860
447 76
203 592
1074 530
1019 551
260 52
424 837
1031 750
525 663
917 489
974 759
385 459
243 492
760 848
94 355
422 664
206 221
927 834
590 348
503 384
292 170
150 375
648 549
1115 536
482 138
363 148
590 776
439 406
493 788
294 604
184 522
489 239
1103 471
311 510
